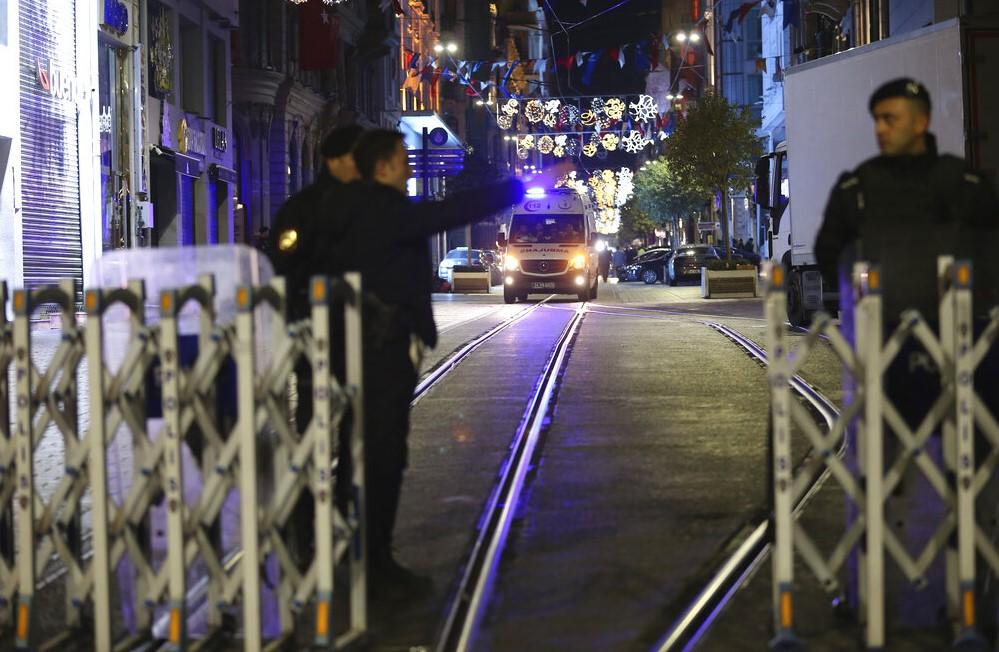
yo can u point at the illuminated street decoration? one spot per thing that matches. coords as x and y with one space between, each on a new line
546 144
511 107
614 108
645 109
534 111
610 141
634 142
504 121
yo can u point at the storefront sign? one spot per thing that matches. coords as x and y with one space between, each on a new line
60 84
220 139
116 16
104 121
190 140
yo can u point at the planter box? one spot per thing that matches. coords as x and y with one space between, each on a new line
470 279
735 284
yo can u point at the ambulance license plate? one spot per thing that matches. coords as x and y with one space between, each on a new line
543 285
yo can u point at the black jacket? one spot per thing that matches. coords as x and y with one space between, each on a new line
379 231
296 264
902 212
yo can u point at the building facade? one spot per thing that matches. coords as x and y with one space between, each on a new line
68 147
300 70
188 116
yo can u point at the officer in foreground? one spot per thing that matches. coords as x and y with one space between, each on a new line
291 250
907 206
901 210
376 229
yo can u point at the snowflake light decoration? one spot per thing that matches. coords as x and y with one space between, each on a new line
551 119
634 142
625 186
598 105
644 109
590 148
569 114
526 142
552 106
572 147
609 141
504 121
559 151
546 144
522 153
614 108
535 111
588 118
511 107
605 121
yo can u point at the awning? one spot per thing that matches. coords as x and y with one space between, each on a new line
445 153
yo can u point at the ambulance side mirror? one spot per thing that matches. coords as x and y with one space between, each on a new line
501 240
762 194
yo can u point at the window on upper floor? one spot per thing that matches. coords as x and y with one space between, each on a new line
193 68
216 82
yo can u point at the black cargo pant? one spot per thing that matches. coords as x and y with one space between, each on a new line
389 381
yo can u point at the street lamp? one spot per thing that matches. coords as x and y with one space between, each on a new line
439 48
683 37
452 47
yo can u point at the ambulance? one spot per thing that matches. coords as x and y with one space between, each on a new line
549 246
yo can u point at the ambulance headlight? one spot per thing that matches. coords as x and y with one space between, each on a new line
579 262
511 264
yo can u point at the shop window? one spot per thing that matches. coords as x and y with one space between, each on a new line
162 51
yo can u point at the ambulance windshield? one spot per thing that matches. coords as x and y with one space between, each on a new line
561 228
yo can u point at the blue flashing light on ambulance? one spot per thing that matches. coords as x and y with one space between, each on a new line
549 246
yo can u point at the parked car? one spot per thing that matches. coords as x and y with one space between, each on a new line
457 256
650 267
688 260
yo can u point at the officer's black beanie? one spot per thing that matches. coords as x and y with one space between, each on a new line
903 87
340 141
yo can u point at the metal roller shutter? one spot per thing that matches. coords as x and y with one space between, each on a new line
50 190
185 235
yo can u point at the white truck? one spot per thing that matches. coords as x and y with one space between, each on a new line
830 131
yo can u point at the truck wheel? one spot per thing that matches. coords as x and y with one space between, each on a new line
796 313
508 296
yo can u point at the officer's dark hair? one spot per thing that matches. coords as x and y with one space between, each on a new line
905 87
340 141
375 146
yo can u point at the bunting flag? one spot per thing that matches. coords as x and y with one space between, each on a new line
768 9
566 61
434 80
761 65
412 82
707 46
591 66
620 57
414 60
739 13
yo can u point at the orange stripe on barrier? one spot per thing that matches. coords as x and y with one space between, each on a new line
175 626
786 611
318 290
969 608
23 614
873 279
322 619
777 277
963 274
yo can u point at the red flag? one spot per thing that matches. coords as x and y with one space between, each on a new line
566 61
319 31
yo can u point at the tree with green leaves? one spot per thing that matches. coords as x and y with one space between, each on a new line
635 223
716 146
667 196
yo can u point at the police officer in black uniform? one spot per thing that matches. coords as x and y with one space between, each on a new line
377 230
291 250
901 210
